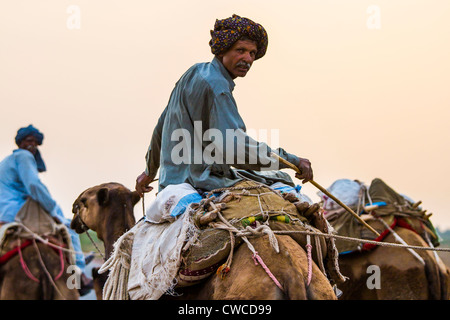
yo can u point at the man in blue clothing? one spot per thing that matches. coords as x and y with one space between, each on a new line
19 181
202 115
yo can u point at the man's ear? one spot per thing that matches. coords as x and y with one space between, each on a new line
103 196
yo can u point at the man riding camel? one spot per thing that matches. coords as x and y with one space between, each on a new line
19 181
202 102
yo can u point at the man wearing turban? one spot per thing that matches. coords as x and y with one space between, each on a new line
202 103
19 181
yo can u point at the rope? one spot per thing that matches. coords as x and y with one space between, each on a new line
257 259
118 264
46 271
382 244
143 205
61 261
48 243
24 265
399 239
262 229
95 245
308 249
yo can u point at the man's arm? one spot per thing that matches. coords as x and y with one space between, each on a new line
28 173
152 158
224 115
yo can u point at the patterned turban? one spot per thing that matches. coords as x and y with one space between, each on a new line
227 31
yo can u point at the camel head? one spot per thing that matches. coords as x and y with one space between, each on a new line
106 209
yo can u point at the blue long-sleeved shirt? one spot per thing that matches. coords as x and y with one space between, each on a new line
181 145
19 180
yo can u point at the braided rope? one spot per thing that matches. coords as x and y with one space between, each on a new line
309 255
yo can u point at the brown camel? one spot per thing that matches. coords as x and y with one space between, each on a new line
108 210
381 272
401 275
113 217
15 284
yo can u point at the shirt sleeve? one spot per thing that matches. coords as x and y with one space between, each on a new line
153 154
239 149
28 174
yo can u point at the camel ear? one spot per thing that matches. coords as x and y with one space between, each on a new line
75 206
135 197
103 196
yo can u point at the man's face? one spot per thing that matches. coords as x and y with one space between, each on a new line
239 58
29 143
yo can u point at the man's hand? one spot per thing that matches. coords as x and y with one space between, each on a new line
305 169
142 184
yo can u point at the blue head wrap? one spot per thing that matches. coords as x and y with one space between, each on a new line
22 133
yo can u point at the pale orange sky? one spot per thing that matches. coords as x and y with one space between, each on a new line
360 103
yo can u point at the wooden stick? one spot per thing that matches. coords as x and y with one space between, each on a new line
415 205
325 191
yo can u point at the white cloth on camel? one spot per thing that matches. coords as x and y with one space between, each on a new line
156 257
146 259
171 202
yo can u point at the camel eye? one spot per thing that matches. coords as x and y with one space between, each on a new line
84 202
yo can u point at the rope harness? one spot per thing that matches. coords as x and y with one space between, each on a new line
259 230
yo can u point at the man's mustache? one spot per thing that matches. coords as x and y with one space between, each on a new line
243 64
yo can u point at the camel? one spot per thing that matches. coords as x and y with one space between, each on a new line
15 284
401 275
107 209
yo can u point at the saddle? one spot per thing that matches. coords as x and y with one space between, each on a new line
249 205
32 222
395 210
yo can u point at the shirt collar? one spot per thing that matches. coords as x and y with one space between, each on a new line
216 63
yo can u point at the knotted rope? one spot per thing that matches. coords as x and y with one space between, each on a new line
119 263
260 230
